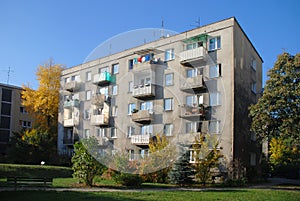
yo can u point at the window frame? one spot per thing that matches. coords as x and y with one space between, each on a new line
115 70
217 71
88 95
88 76
171 104
114 90
169 54
130 86
212 98
172 79
217 43
168 129
130 108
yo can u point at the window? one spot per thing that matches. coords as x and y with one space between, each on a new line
253 136
253 87
103 70
169 79
87 114
192 156
23 110
88 95
67 79
6 109
88 76
103 90
130 131
144 153
115 69
191 46
168 129
26 124
114 90
130 64
101 132
214 127
215 43
75 78
130 86
192 100
169 54
168 104
253 63
215 99
147 105
193 127
131 154
113 132
114 111
131 107
215 71
6 95
252 159
5 122
87 133
146 130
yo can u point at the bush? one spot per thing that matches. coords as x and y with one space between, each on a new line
236 182
126 179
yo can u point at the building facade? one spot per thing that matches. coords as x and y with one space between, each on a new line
199 81
13 117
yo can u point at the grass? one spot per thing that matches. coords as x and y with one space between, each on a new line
232 195
17 170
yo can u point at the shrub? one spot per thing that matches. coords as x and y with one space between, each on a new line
126 179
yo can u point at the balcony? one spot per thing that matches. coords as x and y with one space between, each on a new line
99 100
103 78
143 91
192 83
192 113
140 139
141 116
70 122
70 141
193 56
72 86
69 104
99 120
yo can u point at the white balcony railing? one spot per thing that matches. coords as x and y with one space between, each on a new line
140 139
70 122
99 120
192 55
147 90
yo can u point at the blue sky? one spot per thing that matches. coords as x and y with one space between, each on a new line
33 31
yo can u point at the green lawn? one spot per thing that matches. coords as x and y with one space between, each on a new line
241 194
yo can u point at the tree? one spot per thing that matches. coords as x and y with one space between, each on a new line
85 166
276 115
206 155
181 172
43 103
277 112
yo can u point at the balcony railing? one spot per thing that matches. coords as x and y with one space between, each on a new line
190 57
143 91
99 120
71 103
102 78
141 116
72 86
192 83
140 139
191 112
70 122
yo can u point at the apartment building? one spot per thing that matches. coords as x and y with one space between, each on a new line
13 117
198 81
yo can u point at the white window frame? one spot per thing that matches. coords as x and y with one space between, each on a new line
130 131
216 44
88 76
130 86
101 132
113 132
215 99
214 127
254 87
87 133
215 71
253 63
147 105
88 95
131 107
167 81
147 129
171 108
87 113
131 155
169 54
115 90
168 129
115 68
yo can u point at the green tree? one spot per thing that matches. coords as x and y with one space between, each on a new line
181 172
85 166
276 115
206 155
277 112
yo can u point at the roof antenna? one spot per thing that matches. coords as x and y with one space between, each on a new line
162 28
8 74
197 23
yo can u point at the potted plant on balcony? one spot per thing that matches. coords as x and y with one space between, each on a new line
135 110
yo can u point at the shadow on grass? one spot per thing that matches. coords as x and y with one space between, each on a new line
64 195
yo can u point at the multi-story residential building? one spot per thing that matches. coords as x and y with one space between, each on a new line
13 117
198 81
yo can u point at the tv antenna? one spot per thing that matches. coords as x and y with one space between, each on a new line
197 22
162 28
9 71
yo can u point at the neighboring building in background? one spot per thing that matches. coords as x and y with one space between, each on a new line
202 80
13 117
